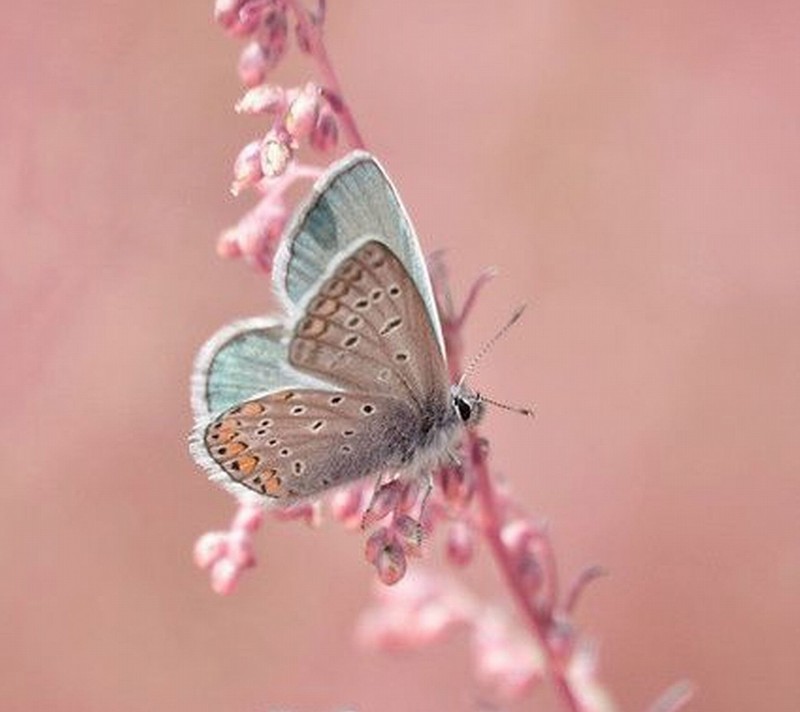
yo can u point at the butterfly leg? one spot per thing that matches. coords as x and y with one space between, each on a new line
426 495
369 517
455 460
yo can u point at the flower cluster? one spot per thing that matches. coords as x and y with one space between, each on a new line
304 115
427 607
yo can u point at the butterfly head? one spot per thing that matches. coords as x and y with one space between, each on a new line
467 404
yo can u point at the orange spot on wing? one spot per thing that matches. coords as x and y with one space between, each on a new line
246 464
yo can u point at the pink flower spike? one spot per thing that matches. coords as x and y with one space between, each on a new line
275 154
247 170
325 134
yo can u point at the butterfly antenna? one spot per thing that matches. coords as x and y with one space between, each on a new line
514 409
476 359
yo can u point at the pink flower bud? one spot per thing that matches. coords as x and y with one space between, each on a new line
273 36
409 496
240 549
519 537
248 517
253 65
301 118
456 484
247 169
325 134
266 98
275 154
346 504
237 17
308 512
507 664
210 548
409 534
228 244
391 564
387 556
224 576
383 501
226 12
460 544
303 38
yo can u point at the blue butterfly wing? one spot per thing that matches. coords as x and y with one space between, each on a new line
242 360
354 200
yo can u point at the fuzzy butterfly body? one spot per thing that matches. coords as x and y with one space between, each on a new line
355 383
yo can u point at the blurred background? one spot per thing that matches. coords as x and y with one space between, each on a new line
633 171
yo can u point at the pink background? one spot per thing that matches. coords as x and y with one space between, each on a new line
632 169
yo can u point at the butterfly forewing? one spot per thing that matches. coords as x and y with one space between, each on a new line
367 329
352 199
296 443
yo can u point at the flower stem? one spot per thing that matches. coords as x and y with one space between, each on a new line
492 519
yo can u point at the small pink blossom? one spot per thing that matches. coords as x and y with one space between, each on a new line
519 537
507 663
409 533
265 98
276 152
303 111
386 554
384 500
253 65
347 505
460 544
247 170
256 235
418 611
456 485
308 512
227 554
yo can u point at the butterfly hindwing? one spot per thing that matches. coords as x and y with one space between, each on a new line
296 443
367 329
241 360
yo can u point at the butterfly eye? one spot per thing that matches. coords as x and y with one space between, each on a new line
464 409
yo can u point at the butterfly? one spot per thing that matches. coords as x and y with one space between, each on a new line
353 381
